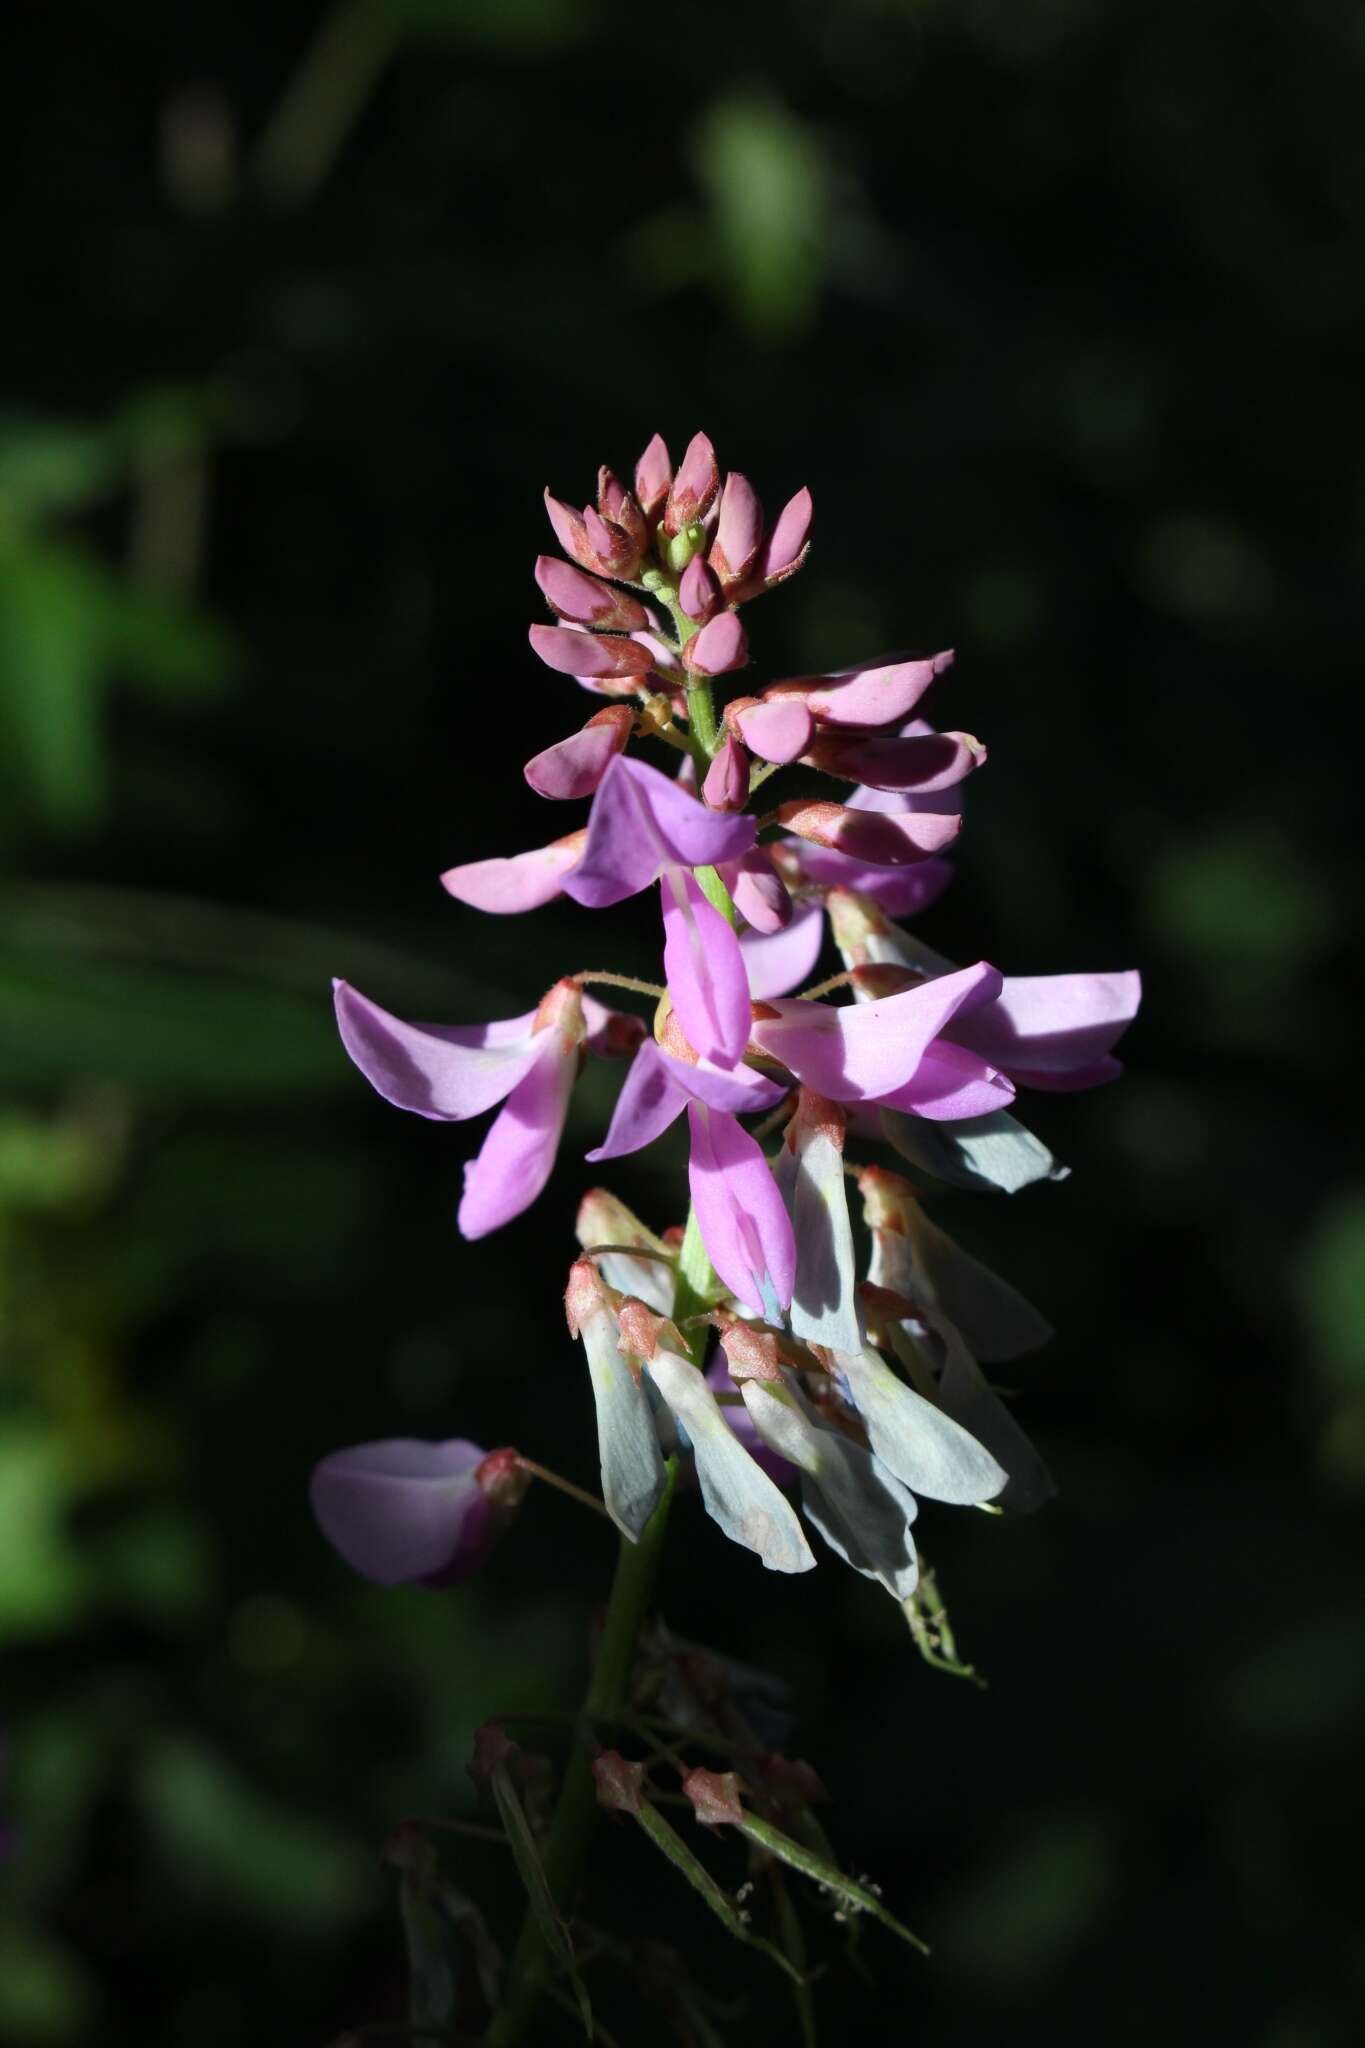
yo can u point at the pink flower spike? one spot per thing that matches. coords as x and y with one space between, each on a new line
787 543
865 1051
923 765
653 476
776 728
699 592
739 529
718 647
588 654
640 823
574 767
694 487
586 600
779 962
743 1220
870 836
866 698
704 969
523 881
760 895
726 787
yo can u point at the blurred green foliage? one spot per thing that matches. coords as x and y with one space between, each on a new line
1059 311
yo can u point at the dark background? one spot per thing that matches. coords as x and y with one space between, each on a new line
1058 309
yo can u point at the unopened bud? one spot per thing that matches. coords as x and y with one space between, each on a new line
682 546
641 1332
618 1781
714 1796
726 787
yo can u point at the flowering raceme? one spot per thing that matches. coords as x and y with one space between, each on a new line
853 1385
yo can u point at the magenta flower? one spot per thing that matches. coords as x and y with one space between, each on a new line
522 881
453 1072
890 1051
641 823
407 1511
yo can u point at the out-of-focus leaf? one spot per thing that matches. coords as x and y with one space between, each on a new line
51 682
49 466
227 1845
769 180
1332 1290
46 1996
41 1583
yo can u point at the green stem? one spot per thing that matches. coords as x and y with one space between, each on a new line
567 1841
701 715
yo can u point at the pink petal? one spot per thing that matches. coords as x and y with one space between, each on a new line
699 593
586 599
726 787
405 1510
760 895
787 541
1062 1025
523 881
641 821
864 1051
587 654
739 529
516 1158
950 1084
704 968
659 1086
867 697
780 962
924 765
902 892
775 728
721 646
574 767
444 1071
869 835
571 533
743 1221
653 475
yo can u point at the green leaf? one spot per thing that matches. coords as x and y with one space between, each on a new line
699 1877
526 1855
827 1874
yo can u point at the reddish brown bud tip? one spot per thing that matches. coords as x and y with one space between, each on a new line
750 1354
642 1331
503 1477
493 1747
714 1796
618 1782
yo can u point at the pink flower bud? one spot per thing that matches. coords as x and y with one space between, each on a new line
574 767
618 504
575 653
653 475
739 529
572 534
720 646
694 487
726 787
715 1797
587 601
760 895
788 543
885 841
699 592
611 544
776 729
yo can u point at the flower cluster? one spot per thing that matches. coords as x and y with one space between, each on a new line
856 1385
